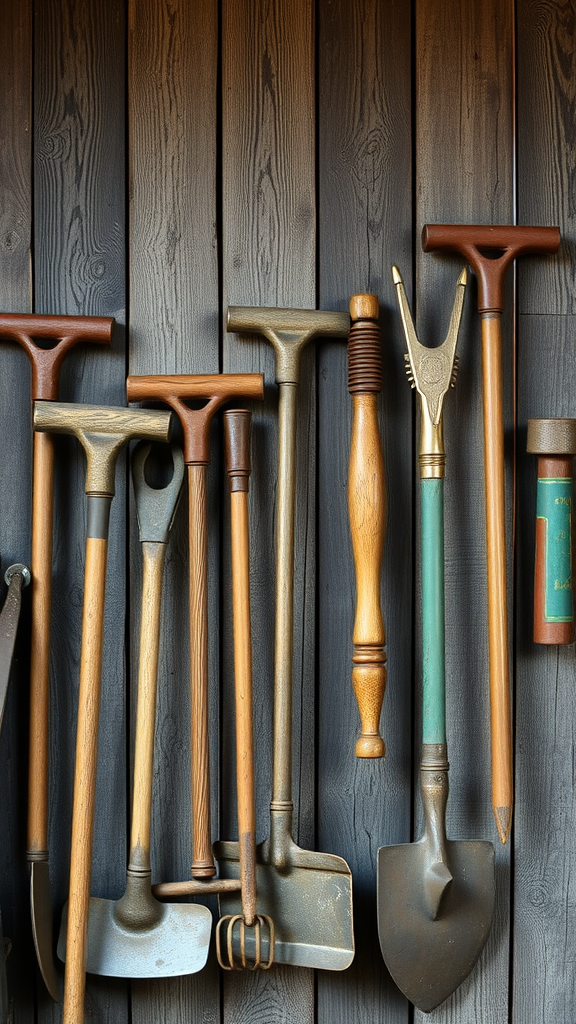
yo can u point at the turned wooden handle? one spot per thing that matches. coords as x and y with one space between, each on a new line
489 250
367 511
176 390
237 449
63 331
85 779
202 860
554 442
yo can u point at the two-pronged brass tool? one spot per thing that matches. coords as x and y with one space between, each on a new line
436 896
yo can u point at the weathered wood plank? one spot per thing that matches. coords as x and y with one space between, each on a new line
173 52
365 216
269 260
79 268
463 153
15 297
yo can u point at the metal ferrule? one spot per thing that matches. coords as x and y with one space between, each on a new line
432 456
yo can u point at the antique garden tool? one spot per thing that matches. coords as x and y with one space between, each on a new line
554 442
16 577
138 937
46 340
102 432
307 894
436 896
489 251
367 512
249 922
213 390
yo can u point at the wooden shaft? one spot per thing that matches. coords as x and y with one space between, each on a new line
85 779
243 692
42 529
154 555
553 598
367 512
202 860
501 726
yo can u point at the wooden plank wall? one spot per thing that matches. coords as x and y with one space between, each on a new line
163 159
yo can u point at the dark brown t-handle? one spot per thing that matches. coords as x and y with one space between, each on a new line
176 391
490 250
46 340
367 513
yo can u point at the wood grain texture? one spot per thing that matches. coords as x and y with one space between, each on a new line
79 269
174 325
269 260
364 211
464 175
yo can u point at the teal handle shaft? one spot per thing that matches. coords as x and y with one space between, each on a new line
433 644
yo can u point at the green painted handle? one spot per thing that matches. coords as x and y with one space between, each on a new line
433 678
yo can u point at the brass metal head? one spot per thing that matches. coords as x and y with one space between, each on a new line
288 331
431 371
102 432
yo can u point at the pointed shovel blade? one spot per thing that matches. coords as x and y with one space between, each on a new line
42 927
428 957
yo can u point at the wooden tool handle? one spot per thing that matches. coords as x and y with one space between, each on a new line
214 389
85 779
64 331
202 860
237 448
42 529
489 250
367 511
433 632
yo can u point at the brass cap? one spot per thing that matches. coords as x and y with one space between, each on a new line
551 437
364 307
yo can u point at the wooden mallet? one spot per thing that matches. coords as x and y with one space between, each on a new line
46 340
489 251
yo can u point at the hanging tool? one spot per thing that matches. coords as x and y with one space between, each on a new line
249 922
308 894
16 577
137 937
214 390
489 251
103 432
367 511
554 442
46 340
436 896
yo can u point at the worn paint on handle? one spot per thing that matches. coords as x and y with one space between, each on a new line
554 507
433 672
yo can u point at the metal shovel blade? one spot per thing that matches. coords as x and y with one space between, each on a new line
177 944
429 957
42 928
310 903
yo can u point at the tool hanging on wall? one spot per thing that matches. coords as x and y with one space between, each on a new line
249 923
435 896
554 442
16 577
46 340
367 512
214 390
489 251
102 432
136 936
307 894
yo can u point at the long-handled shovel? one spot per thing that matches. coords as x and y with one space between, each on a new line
307 894
436 896
489 251
103 432
213 390
138 937
249 922
46 340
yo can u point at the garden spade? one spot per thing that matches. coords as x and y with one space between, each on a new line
308 895
136 936
436 896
